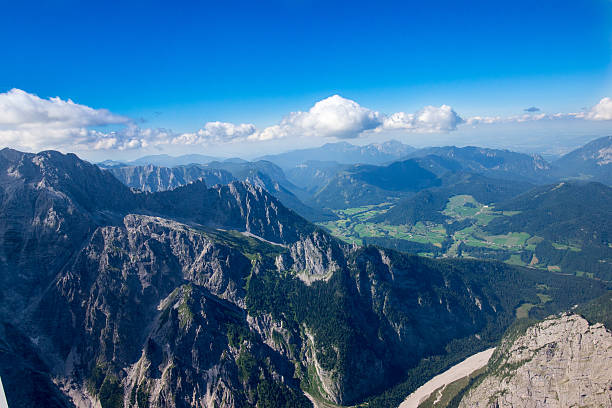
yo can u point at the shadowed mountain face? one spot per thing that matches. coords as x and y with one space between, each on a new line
592 162
366 184
261 174
155 299
494 163
568 212
427 205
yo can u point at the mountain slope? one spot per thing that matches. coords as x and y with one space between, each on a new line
572 213
150 178
560 362
365 184
494 163
592 161
571 224
262 174
427 205
51 203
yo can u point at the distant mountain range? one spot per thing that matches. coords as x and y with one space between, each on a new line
495 163
591 162
310 185
343 153
359 185
368 184
416 204
162 160
263 174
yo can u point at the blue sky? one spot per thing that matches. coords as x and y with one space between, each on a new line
179 66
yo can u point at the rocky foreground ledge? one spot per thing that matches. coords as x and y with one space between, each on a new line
562 361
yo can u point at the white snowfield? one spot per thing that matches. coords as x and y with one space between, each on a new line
463 369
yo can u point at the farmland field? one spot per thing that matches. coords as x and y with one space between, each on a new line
443 240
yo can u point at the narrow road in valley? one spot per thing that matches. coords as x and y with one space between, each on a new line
460 370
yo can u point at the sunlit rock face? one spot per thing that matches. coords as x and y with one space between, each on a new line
561 362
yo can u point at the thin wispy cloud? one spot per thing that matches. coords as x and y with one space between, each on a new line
32 123
601 111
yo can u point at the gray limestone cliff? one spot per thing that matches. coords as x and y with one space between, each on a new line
562 361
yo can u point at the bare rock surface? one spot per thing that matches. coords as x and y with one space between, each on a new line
561 362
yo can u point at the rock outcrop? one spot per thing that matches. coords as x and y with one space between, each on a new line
262 174
152 178
562 361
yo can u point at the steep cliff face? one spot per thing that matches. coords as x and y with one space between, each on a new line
262 174
561 362
152 311
152 178
380 312
51 203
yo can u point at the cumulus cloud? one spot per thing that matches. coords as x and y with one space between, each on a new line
601 111
427 120
19 108
343 118
30 122
331 117
33 123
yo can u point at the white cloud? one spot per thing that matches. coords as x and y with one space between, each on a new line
488 120
32 123
343 118
216 132
601 111
331 117
428 120
19 108
29 122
